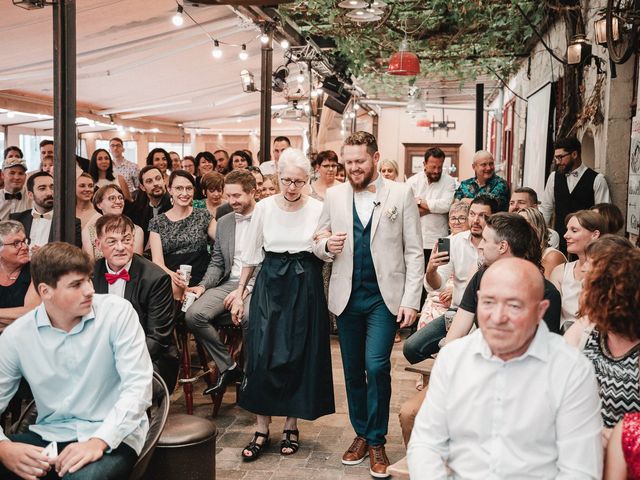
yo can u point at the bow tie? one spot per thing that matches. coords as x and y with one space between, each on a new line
574 174
114 277
47 216
242 218
12 196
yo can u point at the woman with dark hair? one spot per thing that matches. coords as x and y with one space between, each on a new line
159 158
613 218
181 234
12 152
611 300
205 162
212 185
341 174
325 166
583 227
101 170
239 159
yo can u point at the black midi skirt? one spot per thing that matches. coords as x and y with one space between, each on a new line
288 371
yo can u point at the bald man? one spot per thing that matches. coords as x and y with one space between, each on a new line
510 400
484 182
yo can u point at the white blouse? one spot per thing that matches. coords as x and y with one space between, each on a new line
570 290
275 230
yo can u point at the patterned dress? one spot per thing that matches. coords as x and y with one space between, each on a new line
617 378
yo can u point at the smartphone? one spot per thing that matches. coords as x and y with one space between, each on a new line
444 245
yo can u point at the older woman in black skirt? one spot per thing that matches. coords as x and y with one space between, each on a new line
288 354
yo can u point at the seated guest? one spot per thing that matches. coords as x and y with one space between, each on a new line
84 196
341 173
551 257
460 263
218 288
583 227
257 174
176 163
122 272
17 295
613 218
13 198
510 400
101 171
151 201
37 221
159 158
271 186
205 163
240 159
91 375
188 165
388 169
484 182
180 235
222 160
212 185
525 197
325 165
623 450
108 200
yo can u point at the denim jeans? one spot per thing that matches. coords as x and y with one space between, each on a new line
424 343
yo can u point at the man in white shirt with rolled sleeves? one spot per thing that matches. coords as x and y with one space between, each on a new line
510 400
434 194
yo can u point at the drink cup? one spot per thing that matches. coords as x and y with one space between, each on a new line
185 272
189 298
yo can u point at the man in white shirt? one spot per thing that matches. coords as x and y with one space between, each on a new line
280 144
511 400
462 263
572 187
121 166
434 195
217 290
525 197
14 198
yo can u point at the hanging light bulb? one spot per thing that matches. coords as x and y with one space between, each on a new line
264 38
300 77
356 106
243 55
177 19
278 120
217 51
284 43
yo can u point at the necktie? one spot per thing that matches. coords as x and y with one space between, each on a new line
114 277
12 196
242 218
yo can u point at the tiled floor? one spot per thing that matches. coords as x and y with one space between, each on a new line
322 442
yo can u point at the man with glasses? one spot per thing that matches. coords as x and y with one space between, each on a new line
144 284
572 187
434 195
122 166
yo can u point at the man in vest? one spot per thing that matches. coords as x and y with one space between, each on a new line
572 187
375 244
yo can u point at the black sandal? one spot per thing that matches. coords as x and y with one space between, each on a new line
286 442
254 447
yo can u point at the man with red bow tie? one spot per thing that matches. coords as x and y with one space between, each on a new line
144 284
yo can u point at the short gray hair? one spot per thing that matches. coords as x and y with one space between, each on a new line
293 157
482 154
7 227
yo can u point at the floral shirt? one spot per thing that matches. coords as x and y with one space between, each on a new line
129 172
496 187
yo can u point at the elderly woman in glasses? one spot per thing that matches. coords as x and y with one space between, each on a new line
288 370
325 166
17 295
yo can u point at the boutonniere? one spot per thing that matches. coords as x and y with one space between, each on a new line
392 213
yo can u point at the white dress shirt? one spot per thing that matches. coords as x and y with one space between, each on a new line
463 263
242 227
600 190
117 287
268 168
439 197
40 227
12 206
365 201
533 417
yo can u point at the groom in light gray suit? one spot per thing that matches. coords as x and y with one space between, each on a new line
217 290
375 244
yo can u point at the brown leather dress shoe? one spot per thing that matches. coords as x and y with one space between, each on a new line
379 462
356 453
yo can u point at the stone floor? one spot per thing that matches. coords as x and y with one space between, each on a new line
322 442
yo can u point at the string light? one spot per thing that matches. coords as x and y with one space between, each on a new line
177 18
264 39
217 51
300 77
243 55
278 120
285 43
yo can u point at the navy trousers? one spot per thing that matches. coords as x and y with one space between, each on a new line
366 330
116 465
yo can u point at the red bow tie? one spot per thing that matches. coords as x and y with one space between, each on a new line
114 277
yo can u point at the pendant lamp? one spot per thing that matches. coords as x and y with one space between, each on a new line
403 62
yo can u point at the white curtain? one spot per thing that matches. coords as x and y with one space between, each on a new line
535 151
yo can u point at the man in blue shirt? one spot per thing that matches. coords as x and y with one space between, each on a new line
86 361
484 182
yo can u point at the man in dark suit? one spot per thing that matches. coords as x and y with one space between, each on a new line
217 290
144 284
38 219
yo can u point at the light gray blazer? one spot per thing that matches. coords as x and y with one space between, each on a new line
396 245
